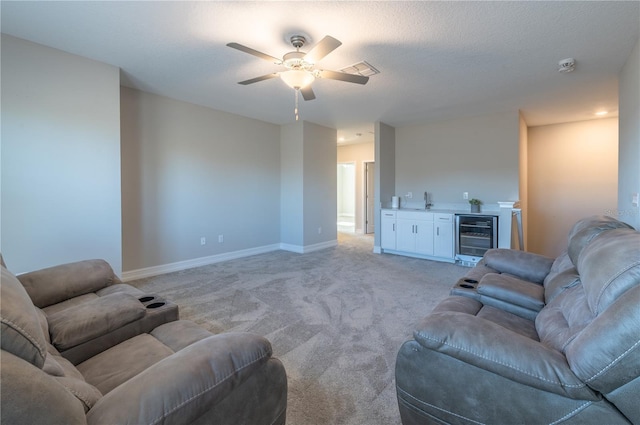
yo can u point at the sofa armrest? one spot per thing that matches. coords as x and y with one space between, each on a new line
491 347
59 283
524 265
84 322
512 290
184 386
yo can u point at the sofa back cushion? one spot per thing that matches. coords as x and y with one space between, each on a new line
60 283
21 332
606 354
563 275
609 266
583 232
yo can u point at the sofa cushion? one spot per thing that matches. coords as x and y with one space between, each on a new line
563 275
525 265
86 393
30 396
563 318
191 382
92 319
59 283
583 232
179 334
118 364
512 290
21 332
609 266
71 302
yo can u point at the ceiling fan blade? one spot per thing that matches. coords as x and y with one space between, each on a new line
343 76
255 53
322 49
257 79
307 93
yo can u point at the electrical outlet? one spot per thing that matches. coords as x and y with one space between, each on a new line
319 230
465 195
203 241
409 195
634 199
220 238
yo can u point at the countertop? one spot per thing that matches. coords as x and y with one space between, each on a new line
445 211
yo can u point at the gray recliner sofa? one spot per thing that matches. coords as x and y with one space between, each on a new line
529 339
89 309
176 373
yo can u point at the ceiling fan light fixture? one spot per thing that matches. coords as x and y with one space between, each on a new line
297 79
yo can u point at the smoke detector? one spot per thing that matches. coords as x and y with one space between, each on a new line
566 65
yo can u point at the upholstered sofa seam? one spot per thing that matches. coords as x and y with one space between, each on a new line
606 286
616 360
31 339
572 413
158 419
501 363
404 393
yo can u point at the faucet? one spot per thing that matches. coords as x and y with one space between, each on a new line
427 204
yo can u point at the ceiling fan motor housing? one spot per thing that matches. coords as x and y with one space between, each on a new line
298 41
295 60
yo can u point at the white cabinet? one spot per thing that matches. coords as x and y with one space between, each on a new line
421 234
388 229
415 232
443 235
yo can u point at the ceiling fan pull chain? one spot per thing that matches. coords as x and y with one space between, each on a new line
295 111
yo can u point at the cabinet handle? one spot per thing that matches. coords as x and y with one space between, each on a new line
437 231
394 227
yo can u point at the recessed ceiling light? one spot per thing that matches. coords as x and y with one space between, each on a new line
602 113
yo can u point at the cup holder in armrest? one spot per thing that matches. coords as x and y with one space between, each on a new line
151 301
467 283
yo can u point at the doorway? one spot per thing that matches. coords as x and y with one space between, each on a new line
347 197
369 198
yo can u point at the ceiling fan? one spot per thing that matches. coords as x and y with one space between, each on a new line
300 66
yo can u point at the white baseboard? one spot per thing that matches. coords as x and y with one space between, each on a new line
308 248
212 259
196 262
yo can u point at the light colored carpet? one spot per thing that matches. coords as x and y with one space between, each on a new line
336 319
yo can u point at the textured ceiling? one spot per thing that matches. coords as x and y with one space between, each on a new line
437 60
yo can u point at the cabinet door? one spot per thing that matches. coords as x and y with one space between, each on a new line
443 238
424 237
406 235
388 232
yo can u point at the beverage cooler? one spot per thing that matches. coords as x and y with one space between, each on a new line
475 234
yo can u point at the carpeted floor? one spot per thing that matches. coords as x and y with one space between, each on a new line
335 318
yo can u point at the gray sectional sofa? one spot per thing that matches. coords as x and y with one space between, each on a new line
80 347
529 339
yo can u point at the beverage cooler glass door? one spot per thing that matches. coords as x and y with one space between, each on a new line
475 234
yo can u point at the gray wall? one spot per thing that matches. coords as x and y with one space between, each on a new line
190 172
478 155
320 184
629 132
308 191
292 185
60 158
